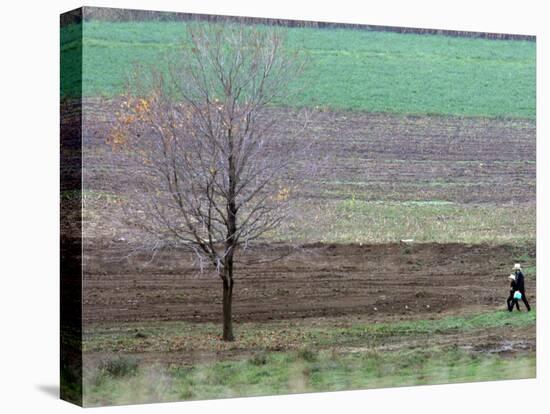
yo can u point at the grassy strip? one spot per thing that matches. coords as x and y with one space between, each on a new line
349 69
189 337
352 220
357 221
315 359
377 334
304 371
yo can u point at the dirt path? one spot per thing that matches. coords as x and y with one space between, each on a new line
317 280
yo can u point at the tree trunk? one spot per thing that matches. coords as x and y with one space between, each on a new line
230 243
227 302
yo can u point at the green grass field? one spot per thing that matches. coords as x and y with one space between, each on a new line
294 372
315 358
349 69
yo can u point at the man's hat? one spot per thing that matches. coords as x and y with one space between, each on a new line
517 266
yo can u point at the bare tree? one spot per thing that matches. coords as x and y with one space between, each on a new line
210 161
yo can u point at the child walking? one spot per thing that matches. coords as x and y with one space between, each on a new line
511 301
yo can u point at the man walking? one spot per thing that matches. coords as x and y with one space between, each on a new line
520 284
